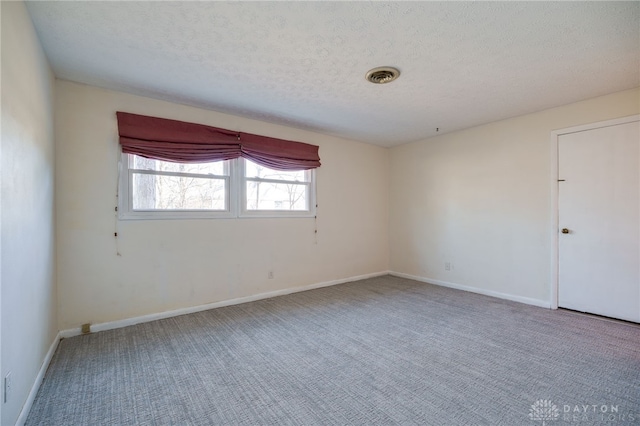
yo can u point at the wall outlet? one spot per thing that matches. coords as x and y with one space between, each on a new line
270 275
86 328
8 386
447 266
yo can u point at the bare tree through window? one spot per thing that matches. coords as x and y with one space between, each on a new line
176 190
162 185
269 189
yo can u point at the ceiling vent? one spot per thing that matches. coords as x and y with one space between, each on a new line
382 75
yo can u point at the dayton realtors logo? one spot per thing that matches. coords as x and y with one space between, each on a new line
544 410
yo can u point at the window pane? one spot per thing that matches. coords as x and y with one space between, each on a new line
215 168
253 170
277 196
153 192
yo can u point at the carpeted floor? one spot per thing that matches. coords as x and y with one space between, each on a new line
380 351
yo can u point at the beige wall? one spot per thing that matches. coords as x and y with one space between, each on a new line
478 198
481 199
29 323
171 264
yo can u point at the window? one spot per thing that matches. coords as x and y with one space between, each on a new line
274 192
155 189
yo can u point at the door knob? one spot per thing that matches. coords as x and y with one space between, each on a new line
565 231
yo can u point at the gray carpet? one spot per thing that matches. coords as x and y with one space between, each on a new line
380 351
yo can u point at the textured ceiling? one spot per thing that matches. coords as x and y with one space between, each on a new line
302 64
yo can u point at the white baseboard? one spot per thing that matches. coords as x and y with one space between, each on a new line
507 296
183 311
22 418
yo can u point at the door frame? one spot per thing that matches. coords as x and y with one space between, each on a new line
555 193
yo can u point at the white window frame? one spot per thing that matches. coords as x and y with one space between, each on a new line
236 201
244 212
125 196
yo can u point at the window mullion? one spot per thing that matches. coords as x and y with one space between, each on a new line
235 186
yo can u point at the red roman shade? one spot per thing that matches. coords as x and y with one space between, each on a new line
279 154
181 142
177 141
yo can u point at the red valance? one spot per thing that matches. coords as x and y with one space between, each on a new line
181 142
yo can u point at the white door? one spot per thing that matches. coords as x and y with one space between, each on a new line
599 221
